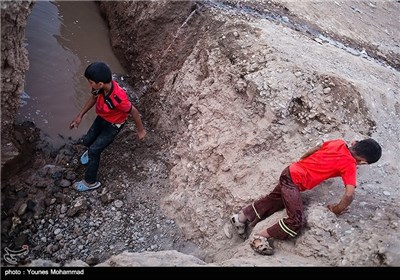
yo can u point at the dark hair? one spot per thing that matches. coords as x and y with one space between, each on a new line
369 149
98 72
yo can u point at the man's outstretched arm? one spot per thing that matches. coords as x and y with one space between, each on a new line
346 200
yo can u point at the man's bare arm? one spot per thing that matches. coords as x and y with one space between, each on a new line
346 200
141 132
88 105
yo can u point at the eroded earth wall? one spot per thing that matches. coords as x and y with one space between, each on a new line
14 63
252 95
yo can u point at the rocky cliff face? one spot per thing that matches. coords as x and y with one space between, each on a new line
238 90
14 63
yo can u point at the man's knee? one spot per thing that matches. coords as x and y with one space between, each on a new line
291 227
94 151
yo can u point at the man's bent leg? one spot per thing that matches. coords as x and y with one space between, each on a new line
93 131
267 205
291 225
105 138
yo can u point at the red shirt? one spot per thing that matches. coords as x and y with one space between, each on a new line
333 159
115 106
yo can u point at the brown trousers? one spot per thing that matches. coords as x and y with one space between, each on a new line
284 195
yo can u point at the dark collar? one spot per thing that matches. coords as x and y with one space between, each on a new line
111 90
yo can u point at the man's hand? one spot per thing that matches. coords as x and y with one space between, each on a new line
141 134
346 200
333 208
336 210
73 125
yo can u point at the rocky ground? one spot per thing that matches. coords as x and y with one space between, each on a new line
252 86
40 207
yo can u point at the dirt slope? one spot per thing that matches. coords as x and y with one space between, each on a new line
255 94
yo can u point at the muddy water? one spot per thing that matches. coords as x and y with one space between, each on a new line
62 38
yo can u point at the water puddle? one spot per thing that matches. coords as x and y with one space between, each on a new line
62 38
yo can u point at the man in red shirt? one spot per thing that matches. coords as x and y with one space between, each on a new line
331 159
112 108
